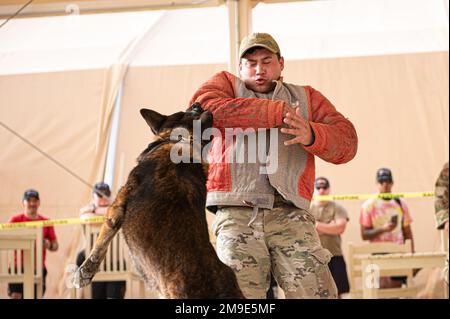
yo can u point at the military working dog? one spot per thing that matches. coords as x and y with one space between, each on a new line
161 211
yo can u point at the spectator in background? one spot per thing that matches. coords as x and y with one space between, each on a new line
101 200
31 203
441 199
331 220
386 220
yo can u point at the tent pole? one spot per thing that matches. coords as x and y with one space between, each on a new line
120 66
240 25
113 140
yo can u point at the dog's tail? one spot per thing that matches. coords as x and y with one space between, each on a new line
114 219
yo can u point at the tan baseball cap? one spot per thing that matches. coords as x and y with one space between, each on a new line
264 40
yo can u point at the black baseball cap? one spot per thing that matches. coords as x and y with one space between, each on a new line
384 175
30 193
102 189
321 182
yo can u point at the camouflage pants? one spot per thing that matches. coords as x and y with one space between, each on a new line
283 240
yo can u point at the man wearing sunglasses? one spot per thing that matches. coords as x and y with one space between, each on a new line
101 200
331 220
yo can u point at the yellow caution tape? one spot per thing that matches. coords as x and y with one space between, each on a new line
74 221
367 196
43 223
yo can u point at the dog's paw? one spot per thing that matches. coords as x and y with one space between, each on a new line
82 277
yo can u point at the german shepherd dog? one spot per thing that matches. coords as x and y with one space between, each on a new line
161 210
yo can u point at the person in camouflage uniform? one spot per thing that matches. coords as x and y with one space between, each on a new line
441 201
441 206
263 223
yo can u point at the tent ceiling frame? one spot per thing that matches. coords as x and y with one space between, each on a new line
40 8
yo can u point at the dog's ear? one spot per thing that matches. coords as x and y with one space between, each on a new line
153 119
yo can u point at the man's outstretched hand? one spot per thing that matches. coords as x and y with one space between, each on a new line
298 127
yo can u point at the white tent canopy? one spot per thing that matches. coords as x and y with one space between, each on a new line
74 42
304 30
324 29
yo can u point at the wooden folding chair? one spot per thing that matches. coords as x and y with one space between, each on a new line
13 271
355 271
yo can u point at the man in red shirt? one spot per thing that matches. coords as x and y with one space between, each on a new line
31 205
